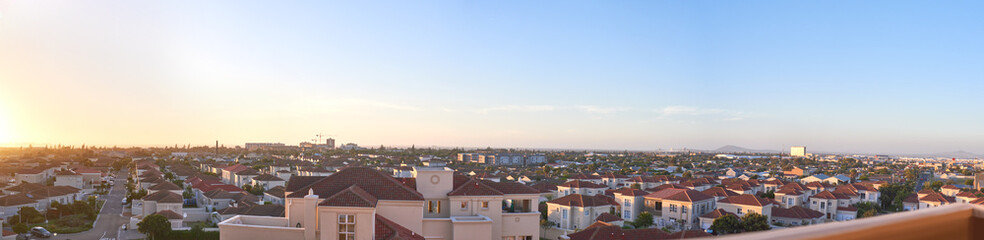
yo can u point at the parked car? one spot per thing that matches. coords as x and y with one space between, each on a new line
41 232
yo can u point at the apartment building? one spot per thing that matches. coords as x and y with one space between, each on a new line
679 206
631 202
363 203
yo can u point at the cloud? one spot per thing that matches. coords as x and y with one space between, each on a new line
600 110
721 114
516 108
380 104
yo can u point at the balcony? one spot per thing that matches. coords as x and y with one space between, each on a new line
955 221
258 227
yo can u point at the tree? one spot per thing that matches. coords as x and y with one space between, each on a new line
154 225
755 222
645 219
869 213
771 194
687 174
30 215
726 224
936 185
636 186
21 228
969 182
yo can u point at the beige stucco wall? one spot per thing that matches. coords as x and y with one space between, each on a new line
239 232
409 214
365 221
434 182
473 231
438 228
520 224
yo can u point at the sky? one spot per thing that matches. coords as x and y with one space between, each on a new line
839 76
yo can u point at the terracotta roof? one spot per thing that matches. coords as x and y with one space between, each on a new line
25 187
248 172
689 195
584 176
52 191
582 184
829 195
796 212
716 213
66 173
606 231
267 177
912 198
298 182
235 168
379 185
512 188
950 186
719 192
165 186
350 197
389 230
578 200
789 191
16 199
545 187
170 214
277 191
608 217
164 197
665 186
631 192
409 182
937 197
475 187
746 199
689 234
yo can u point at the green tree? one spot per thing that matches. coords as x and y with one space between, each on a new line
645 219
21 228
936 185
755 222
636 186
771 194
969 182
154 225
869 213
726 224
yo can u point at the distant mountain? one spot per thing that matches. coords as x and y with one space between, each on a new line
956 154
737 149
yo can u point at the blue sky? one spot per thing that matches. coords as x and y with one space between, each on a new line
871 76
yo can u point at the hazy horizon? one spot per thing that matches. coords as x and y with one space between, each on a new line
867 77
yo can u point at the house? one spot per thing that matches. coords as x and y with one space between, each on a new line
707 219
949 190
267 181
33 175
796 215
678 206
245 177
745 204
218 199
575 211
834 206
165 186
268 210
586 178
580 187
228 174
631 202
547 190
719 193
313 171
364 203
814 178
796 171
614 180
274 195
68 178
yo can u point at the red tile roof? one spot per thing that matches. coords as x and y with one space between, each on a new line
606 231
578 200
170 214
796 212
719 192
389 230
512 188
716 213
475 187
235 168
350 197
164 197
682 195
631 192
608 217
746 199
582 184
165 186
689 234
379 185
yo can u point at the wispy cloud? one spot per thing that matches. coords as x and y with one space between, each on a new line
516 108
600 109
721 114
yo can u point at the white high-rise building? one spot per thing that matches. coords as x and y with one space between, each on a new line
798 151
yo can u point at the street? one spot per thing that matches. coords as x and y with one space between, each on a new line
108 223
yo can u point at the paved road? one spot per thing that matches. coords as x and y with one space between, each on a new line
110 220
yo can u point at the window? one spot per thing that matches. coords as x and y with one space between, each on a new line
464 205
585 212
822 204
683 209
672 207
485 205
346 227
564 215
626 214
628 203
739 211
526 237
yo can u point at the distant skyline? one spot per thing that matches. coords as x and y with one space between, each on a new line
843 76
